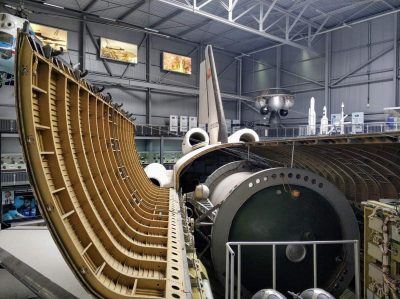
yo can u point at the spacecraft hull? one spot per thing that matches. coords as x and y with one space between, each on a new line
283 204
116 230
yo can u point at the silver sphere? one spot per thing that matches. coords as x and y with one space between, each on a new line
289 103
316 294
201 192
260 102
276 102
268 294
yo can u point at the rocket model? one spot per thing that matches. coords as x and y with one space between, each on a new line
324 122
342 119
311 118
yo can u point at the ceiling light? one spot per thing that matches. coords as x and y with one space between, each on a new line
53 5
108 19
151 29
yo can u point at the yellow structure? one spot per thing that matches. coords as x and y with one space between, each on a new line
119 233
381 250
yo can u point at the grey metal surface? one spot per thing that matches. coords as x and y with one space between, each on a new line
226 170
34 247
40 285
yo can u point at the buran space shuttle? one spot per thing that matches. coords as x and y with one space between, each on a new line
211 114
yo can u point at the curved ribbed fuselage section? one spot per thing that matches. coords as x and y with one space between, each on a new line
118 231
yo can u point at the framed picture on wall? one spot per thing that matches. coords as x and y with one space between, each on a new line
176 63
56 38
19 206
119 51
7 197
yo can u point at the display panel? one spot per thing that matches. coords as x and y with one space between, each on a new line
19 206
54 37
177 63
119 51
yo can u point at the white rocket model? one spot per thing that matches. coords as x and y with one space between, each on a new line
312 118
324 122
342 119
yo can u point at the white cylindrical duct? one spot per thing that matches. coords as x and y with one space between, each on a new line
194 139
244 135
227 185
157 174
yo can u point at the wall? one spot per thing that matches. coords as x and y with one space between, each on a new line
304 73
162 103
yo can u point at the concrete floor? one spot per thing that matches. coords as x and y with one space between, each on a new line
34 246
10 288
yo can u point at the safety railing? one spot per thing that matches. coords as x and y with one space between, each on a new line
230 263
8 126
155 130
330 130
13 178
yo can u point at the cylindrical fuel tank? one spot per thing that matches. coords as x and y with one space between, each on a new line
282 204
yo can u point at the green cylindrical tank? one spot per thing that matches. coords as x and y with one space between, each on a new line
283 204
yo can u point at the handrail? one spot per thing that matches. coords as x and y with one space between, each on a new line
331 130
230 263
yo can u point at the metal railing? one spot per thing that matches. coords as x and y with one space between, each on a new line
332 130
8 126
230 263
155 130
13 178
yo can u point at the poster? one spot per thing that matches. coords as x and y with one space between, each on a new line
119 51
19 206
177 63
54 37
7 197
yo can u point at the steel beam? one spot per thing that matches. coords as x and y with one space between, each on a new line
278 67
251 107
130 10
347 25
291 14
239 88
301 4
148 79
358 83
319 29
396 59
328 63
165 19
293 74
143 85
388 4
105 63
90 5
298 18
82 44
223 20
362 65
270 9
197 26
343 9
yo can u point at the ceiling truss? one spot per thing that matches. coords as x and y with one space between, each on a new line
259 11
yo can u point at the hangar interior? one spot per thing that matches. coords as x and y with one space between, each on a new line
337 59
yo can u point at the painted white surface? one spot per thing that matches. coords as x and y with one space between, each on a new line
35 247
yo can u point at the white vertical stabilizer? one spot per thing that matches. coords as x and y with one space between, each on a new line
211 111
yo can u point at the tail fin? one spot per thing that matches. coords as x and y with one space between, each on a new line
211 111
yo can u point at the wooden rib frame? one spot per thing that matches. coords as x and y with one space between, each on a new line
119 233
